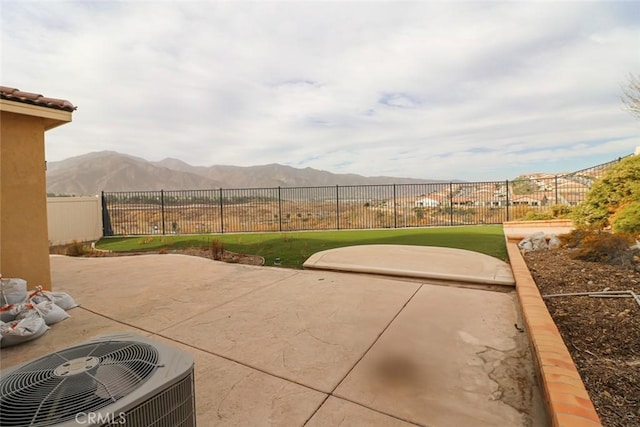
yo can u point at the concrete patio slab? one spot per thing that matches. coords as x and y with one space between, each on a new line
421 262
450 358
230 394
310 328
285 347
147 289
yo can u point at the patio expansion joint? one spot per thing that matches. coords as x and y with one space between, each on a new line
186 344
331 393
194 315
255 368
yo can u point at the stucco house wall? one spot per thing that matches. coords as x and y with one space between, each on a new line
24 244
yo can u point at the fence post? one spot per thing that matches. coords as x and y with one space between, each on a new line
395 211
104 211
507 184
279 210
555 178
221 213
162 209
337 207
107 229
451 203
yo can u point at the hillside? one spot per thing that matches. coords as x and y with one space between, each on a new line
92 173
109 171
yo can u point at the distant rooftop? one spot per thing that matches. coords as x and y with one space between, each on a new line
13 94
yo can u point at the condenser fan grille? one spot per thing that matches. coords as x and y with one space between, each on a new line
57 387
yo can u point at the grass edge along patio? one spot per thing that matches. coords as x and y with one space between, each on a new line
293 248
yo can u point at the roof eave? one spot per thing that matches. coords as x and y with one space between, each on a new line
53 117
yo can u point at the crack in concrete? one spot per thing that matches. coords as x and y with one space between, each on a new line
220 416
318 339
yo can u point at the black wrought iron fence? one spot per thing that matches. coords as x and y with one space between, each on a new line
343 207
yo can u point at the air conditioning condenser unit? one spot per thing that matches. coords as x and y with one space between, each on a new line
111 380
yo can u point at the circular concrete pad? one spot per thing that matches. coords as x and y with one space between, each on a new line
423 262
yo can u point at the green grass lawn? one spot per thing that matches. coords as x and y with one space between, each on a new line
294 248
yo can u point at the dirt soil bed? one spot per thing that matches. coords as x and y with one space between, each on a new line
224 255
602 334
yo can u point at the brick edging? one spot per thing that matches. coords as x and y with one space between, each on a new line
566 398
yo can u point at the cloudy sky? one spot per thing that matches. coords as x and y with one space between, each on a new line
443 90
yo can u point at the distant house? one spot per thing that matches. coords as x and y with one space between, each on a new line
531 200
461 201
573 185
492 200
24 242
426 202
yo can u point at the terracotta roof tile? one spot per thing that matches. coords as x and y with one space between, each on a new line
13 94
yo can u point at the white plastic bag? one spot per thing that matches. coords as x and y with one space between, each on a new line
11 312
61 299
6 313
12 291
19 311
50 312
21 331
28 311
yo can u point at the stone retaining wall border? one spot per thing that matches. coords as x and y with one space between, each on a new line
566 398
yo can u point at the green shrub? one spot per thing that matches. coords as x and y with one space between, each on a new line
619 187
627 219
560 211
537 216
554 212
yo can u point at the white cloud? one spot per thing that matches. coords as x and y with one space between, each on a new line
424 89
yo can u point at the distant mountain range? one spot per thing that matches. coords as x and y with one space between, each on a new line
92 173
